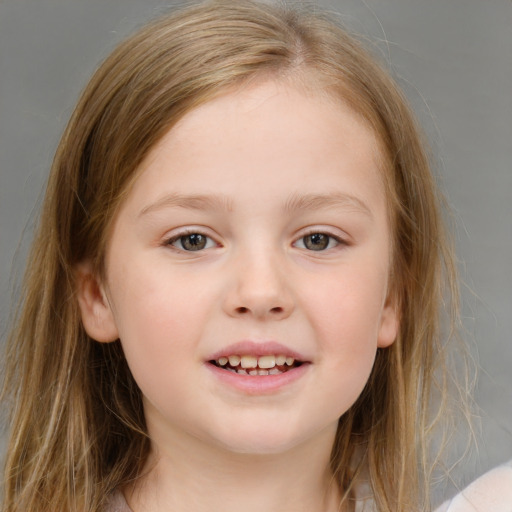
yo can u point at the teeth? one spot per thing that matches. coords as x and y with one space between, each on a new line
248 362
263 365
267 362
234 360
280 360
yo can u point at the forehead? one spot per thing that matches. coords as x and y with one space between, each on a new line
269 135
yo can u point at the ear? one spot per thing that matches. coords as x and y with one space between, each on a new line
389 324
97 316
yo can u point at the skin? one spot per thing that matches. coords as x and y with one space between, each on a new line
272 164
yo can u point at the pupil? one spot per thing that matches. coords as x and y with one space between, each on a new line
316 241
193 242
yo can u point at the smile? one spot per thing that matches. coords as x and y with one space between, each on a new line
256 366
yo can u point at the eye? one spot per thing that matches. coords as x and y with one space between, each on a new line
191 242
317 242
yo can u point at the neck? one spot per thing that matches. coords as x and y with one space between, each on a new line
202 478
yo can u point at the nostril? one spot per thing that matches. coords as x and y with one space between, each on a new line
242 310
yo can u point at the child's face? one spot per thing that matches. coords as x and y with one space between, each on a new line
258 227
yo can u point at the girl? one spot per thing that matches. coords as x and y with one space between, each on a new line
233 296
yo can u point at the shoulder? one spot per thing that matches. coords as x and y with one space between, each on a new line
117 503
492 492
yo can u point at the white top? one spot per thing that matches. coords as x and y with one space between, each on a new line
491 492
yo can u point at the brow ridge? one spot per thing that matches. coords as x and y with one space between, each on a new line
189 201
321 201
295 203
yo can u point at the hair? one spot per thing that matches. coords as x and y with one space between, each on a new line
77 428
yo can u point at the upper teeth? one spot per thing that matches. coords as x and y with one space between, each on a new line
263 362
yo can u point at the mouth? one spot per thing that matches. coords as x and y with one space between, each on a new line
244 364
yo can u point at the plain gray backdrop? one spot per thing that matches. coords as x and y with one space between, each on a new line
452 57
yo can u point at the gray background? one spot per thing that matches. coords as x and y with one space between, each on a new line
452 57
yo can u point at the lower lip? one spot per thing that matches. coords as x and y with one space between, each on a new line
259 384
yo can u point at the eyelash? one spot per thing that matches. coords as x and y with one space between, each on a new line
209 242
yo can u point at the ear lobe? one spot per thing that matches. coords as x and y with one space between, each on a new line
97 317
389 325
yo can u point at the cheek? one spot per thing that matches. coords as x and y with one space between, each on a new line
151 299
347 306
345 312
158 323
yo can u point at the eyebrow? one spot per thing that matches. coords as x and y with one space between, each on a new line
294 203
191 202
321 201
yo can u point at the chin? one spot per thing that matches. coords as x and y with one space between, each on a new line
263 440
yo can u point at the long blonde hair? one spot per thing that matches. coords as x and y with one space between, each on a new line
77 428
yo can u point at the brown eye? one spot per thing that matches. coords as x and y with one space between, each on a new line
316 241
192 242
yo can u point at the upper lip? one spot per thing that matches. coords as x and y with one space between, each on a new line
257 349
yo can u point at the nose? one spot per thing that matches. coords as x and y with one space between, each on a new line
259 288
